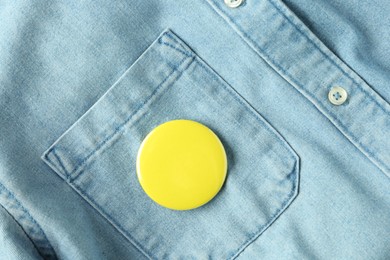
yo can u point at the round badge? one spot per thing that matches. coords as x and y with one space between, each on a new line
181 164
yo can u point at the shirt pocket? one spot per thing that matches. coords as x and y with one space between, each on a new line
97 157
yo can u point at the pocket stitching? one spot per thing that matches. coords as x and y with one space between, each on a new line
286 203
113 222
228 88
168 34
290 197
120 128
289 154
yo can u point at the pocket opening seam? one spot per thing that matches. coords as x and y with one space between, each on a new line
184 51
78 169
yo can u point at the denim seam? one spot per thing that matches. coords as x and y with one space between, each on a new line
60 163
122 125
49 161
174 38
328 57
44 244
167 34
343 128
24 231
113 222
289 153
286 203
248 108
303 33
302 89
175 48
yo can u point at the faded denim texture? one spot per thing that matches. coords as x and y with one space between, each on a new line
83 82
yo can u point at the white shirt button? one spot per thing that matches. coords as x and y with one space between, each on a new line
233 3
337 96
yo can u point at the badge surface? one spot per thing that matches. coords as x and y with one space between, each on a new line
181 164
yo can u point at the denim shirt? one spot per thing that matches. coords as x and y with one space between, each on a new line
83 83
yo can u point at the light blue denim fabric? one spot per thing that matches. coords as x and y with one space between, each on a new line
82 83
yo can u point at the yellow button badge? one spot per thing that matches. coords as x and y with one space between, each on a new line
181 164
